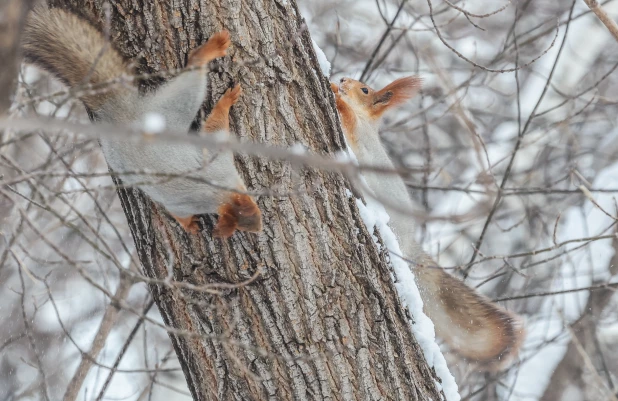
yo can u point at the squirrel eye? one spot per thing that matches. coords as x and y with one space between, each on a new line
365 90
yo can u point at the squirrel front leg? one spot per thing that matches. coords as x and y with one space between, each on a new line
219 117
346 114
215 47
179 99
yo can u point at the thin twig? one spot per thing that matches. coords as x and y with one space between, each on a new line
608 21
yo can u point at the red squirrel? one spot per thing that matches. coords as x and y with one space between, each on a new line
78 54
473 326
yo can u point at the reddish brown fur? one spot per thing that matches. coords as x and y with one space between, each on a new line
373 104
471 310
188 223
346 114
473 326
219 118
227 223
240 213
215 47
395 94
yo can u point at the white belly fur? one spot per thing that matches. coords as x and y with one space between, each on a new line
390 187
193 192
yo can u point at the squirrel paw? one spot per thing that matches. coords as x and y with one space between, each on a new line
226 225
334 87
188 223
219 116
229 98
240 213
215 47
249 215
232 95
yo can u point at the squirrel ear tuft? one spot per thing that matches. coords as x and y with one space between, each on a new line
382 97
397 92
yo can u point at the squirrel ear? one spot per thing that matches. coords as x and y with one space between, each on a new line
382 97
396 93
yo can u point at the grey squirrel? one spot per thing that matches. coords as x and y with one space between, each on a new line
77 53
473 326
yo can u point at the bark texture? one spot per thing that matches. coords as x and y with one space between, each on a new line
324 320
12 15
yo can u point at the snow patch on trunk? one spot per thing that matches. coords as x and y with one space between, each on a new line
375 215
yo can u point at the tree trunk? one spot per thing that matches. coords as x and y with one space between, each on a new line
323 320
12 15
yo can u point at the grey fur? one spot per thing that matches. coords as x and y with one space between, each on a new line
472 325
77 53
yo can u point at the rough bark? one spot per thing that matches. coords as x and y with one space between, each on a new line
324 320
12 15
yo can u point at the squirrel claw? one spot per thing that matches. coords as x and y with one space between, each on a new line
215 47
188 223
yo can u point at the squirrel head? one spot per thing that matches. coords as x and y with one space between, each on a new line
374 103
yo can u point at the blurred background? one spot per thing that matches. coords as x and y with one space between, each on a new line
509 152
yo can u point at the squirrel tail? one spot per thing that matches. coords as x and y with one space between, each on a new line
473 326
74 51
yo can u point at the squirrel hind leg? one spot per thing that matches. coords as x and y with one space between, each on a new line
215 47
240 213
248 212
188 223
252 224
227 223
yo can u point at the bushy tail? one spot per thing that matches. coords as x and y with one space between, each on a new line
74 51
473 326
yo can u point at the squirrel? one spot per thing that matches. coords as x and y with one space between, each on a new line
77 53
473 327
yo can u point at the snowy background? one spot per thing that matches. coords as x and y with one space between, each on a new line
546 252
